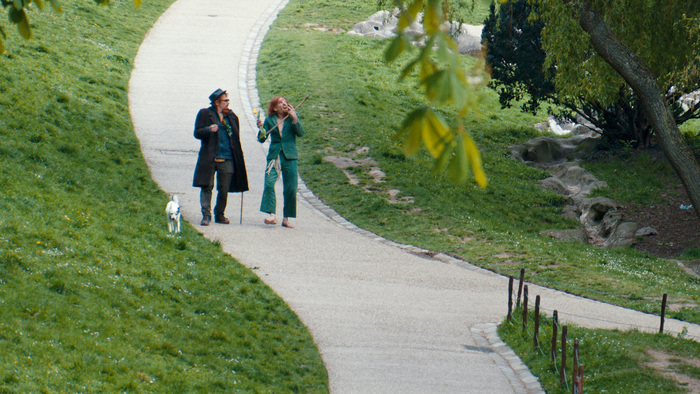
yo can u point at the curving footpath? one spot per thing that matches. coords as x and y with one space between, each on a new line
385 317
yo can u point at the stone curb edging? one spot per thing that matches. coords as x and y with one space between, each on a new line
485 334
521 379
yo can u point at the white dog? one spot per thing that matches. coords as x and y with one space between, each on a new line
172 210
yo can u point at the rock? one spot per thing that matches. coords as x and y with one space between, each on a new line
377 174
691 267
689 100
539 150
602 221
380 25
564 126
554 185
572 235
559 126
572 174
645 232
383 24
571 212
542 126
552 150
580 129
595 208
622 235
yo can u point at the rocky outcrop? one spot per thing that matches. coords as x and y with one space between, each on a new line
383 25
601 221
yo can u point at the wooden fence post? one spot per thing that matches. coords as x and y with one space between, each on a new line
579 380
520 286
555 329
562 370
536 340
663 312
574 370
525 309
510 298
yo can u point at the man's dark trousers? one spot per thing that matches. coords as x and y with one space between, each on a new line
224 174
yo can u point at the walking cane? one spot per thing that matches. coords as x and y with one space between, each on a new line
241 221
278 125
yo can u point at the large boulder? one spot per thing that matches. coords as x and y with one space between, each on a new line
549 150
383 24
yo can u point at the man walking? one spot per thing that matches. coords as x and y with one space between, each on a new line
217 128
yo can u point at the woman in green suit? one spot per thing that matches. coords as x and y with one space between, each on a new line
282 125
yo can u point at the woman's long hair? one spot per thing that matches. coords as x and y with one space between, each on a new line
273 104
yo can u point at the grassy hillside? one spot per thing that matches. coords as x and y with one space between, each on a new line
356 102
94 293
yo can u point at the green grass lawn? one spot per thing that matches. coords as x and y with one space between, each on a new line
95 295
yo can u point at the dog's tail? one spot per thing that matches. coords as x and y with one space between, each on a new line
174 198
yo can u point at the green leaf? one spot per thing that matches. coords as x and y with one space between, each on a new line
407 70
40 4
2 46
395 48
442 161
446 87
432 17
19 4
457 160
475 161
436 135
56 5
137 3
427 68
459 165
409 15
411 131
20 18
15 15
447 49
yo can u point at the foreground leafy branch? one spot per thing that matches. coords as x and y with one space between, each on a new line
445 81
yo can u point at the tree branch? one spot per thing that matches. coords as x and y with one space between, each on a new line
644 84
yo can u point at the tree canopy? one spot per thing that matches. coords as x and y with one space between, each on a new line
516 60
663 34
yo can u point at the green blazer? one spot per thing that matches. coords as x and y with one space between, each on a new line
285 144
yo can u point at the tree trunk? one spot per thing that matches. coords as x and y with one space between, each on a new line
643 82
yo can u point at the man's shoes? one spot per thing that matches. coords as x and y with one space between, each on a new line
205 221
222 220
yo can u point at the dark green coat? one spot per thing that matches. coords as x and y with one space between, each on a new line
207 152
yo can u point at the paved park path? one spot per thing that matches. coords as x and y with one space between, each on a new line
384 318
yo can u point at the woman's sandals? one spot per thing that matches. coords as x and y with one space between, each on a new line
270 220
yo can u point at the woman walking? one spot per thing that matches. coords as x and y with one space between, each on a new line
283 126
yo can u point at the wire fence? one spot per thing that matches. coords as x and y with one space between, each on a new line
608 319
558 350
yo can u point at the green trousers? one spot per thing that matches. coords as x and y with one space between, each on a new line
289 187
